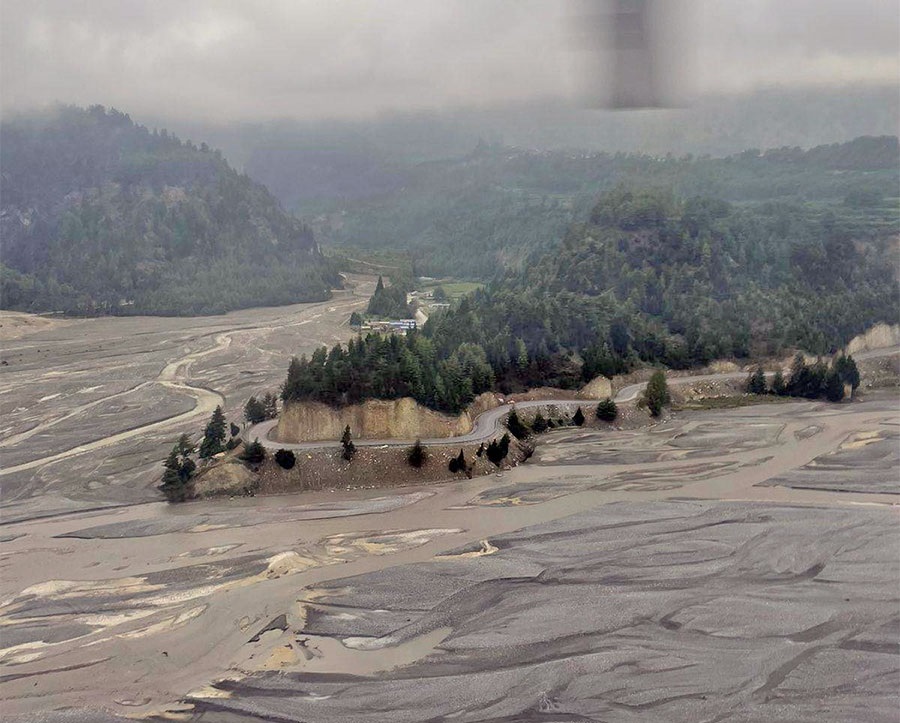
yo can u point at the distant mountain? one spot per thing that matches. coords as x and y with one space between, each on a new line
305 162
100 215
488 211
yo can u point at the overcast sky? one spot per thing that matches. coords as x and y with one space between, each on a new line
240 60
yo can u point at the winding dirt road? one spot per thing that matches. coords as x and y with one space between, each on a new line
490 423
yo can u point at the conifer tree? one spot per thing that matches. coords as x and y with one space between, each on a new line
778 385
756 382
348 448
834 386
515 425
607 410
254 453
214 435
656 395
270 406
254 411
578 417
416 455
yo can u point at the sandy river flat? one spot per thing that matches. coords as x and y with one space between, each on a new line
692 570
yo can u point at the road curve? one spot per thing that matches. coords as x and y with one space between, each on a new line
488 424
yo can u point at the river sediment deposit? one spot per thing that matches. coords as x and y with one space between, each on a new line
685 571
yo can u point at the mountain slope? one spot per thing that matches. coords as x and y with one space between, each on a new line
100 215
475 216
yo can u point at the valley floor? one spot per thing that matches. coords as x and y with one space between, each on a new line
737 564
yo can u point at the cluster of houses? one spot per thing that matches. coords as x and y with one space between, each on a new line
389 326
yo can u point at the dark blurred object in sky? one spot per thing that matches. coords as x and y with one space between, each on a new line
635 53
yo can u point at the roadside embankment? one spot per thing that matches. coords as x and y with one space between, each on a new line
375 419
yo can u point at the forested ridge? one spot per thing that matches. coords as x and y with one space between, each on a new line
489 211
649 279
100 215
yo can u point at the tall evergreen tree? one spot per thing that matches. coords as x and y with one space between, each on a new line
214 435
179 469
846 367
270 405
834 386
778 384
656 395
515 425
348 449
756 382
254 411
578 417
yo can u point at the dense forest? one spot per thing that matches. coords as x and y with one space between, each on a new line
648 279
100 215
488 211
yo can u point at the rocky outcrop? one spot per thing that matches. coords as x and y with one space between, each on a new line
880 336
598 388
375 419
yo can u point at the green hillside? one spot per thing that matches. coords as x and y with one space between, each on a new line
100 215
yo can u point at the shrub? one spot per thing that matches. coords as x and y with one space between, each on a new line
539 425
254 453
515 425
458 463
416 455
493 453
348 449
607 411
285 458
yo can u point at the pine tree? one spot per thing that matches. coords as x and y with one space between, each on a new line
214 435
539 425
254 453
254 411
656 395
846 367
348 448
494 453
179 469
778 385
515 425
270 406
416 455
171 476
461 460
578 417
756 382
185 446
503 446
834 386
607 411
458 463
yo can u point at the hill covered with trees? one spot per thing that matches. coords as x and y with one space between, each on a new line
489 211
100 215
648 279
